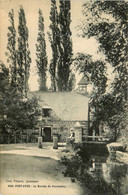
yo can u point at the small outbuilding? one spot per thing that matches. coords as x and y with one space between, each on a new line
83 85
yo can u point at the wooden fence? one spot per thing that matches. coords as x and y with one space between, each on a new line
18 138
30 136
96 138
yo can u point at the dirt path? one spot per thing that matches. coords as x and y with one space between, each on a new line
27 170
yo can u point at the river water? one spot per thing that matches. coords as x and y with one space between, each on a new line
112 171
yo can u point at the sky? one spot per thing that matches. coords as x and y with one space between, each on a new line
31 8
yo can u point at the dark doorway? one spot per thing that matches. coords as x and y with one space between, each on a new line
47 134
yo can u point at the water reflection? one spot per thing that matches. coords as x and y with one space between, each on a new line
113 172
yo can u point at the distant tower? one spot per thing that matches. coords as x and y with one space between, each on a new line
82 85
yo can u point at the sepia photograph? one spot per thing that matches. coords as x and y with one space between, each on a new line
63 97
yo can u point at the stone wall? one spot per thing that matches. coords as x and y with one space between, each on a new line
122 156
63 128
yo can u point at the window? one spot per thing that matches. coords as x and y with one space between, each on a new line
46 112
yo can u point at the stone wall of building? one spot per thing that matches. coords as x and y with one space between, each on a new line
62 128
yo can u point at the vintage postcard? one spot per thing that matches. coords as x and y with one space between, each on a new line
63 97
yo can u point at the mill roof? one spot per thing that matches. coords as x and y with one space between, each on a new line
85 80
69 106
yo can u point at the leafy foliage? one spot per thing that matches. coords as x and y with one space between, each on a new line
111 34
71 82
107 22
11 47
97 73
17 113
60 39
4 78
65 45
53 38
96 70
41 53
23 54
77 163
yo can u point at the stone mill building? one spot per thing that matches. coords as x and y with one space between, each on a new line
60 112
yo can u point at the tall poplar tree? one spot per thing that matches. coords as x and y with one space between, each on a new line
11 47
65 45
60 39
23 59
53 38
41 60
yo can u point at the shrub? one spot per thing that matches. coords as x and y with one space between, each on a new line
72 162
76 165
